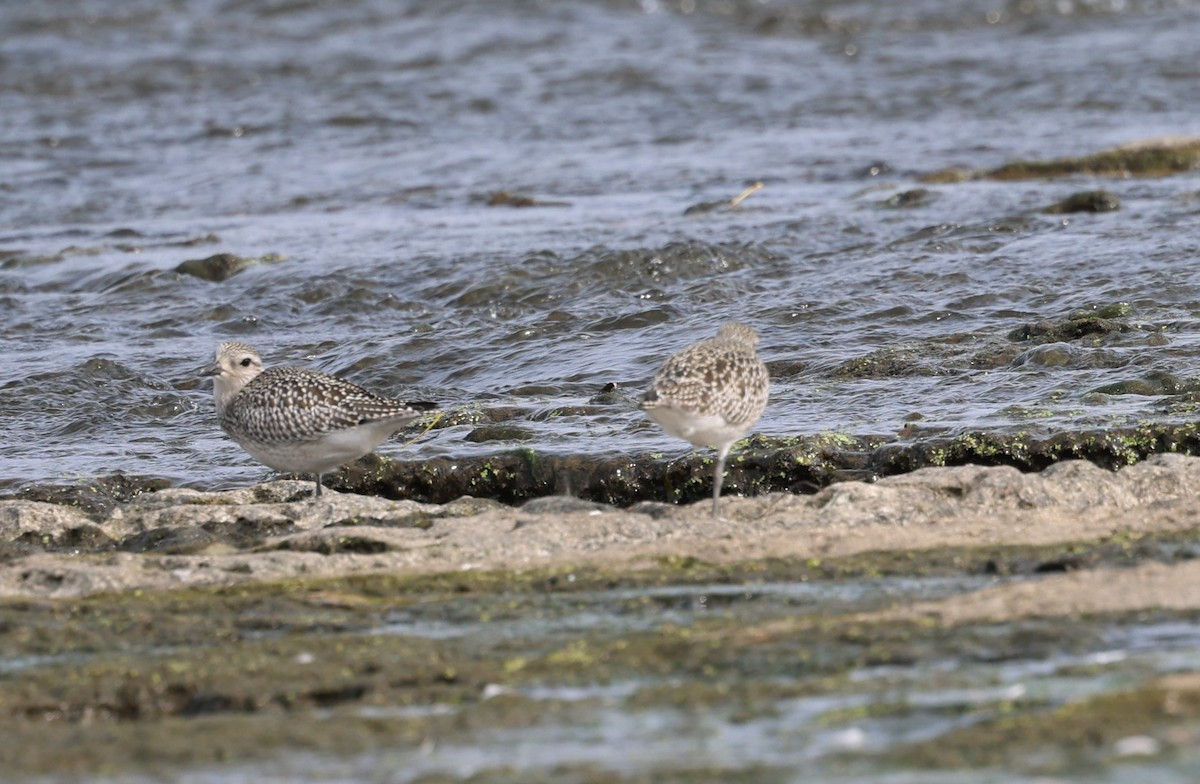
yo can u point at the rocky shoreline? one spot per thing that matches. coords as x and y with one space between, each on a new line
178 537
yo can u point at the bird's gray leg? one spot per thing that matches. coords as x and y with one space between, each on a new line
719 476
318 493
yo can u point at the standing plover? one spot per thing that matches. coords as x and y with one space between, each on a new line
298 420
711 393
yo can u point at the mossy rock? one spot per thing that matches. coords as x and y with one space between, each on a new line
1085 201
1154 158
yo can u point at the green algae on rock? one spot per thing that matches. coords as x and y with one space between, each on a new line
1081 734
198 677
799 465
759 465
1151 158
1092 325
889 362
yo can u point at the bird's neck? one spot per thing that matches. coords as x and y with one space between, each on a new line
224 391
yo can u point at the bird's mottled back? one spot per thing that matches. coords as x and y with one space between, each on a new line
288 404
721 376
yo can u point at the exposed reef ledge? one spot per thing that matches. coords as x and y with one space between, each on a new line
178 538
757 466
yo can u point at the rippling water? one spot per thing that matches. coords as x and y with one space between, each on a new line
361 141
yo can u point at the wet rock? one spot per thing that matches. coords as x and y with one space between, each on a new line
466 506
995 357
234 523
1085 201
421 520
432 489
1049 355
38 518
268 492
498 433
170 541
508 477
222 266
785 368
507 199
1132 387
917 197
798 465
1113 310
1109 449
609 394
84 538
998 500
884 363
203 239
580 410
757 466
15 259
97 497
1154 383
655 510
1092 324
124 233
364 537
562 504
248 531
476 415
1150 158
251 516
330 542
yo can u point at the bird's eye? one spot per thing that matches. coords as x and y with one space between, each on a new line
246 362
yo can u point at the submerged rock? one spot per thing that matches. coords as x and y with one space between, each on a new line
499 433
1093 324
1086 201
221 266
917 197
1156 382
508 199
887 362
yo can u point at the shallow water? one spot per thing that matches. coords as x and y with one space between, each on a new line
827 737
360 141
645 609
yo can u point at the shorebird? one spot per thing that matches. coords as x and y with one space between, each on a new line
711 393
298 420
